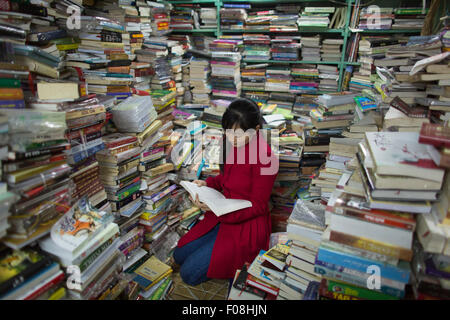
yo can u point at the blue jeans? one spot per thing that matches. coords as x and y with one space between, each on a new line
195 257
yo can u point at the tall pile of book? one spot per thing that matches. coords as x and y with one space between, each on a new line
278 78
38 172
208 18
159 18
182 17
310 48
430 271
253 77
86 120
199 71
305 227
91 258
225 68
305 79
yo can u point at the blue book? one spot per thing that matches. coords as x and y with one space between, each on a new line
340 273
237 6
400 273
312 292
12 104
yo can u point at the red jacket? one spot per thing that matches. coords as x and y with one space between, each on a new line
243 233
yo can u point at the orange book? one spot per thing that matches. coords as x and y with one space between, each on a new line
11 94
121 69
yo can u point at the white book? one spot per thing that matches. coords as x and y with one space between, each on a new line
363 229
401 154
215 200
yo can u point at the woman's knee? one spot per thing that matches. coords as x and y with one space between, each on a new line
191 276
177 256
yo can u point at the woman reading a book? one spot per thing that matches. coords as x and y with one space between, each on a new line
217 246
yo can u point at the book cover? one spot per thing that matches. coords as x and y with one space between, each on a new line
400 154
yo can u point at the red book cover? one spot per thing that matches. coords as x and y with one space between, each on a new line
435 134
53 282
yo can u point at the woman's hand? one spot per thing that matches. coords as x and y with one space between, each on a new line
200 183
199 204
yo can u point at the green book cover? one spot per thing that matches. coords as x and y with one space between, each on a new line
358 292
157 295
9 83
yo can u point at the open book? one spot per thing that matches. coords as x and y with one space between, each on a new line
215 200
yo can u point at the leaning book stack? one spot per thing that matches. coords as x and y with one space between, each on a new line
225 69
85 242
38 172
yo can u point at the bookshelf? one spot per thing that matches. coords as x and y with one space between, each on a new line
345 32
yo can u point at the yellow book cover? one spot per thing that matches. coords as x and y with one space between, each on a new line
151 271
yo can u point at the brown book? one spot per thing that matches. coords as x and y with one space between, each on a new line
416 112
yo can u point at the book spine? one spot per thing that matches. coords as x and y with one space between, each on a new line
371 245
162 194
117 143
379 219
54 282
359 292
95 254
11 94
85 112
158 294
12 104
329 272
117 205
123 194
325 294
359 264
25 275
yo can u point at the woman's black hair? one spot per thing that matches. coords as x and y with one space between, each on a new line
243 113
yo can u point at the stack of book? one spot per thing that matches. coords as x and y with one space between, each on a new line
305 79
331 49
383 20
341 153
259 19
318 17
329 77
253 77
199 71
409 18
375 231
208 18
11 92
225 68
278 78
34 275
430 272
159 18
285 48
305 226
91 257
285 19
232 18
142 73
7 198
310 48
335 110
37 171
182 18
256 47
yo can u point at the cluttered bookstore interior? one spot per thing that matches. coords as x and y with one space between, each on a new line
116 179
